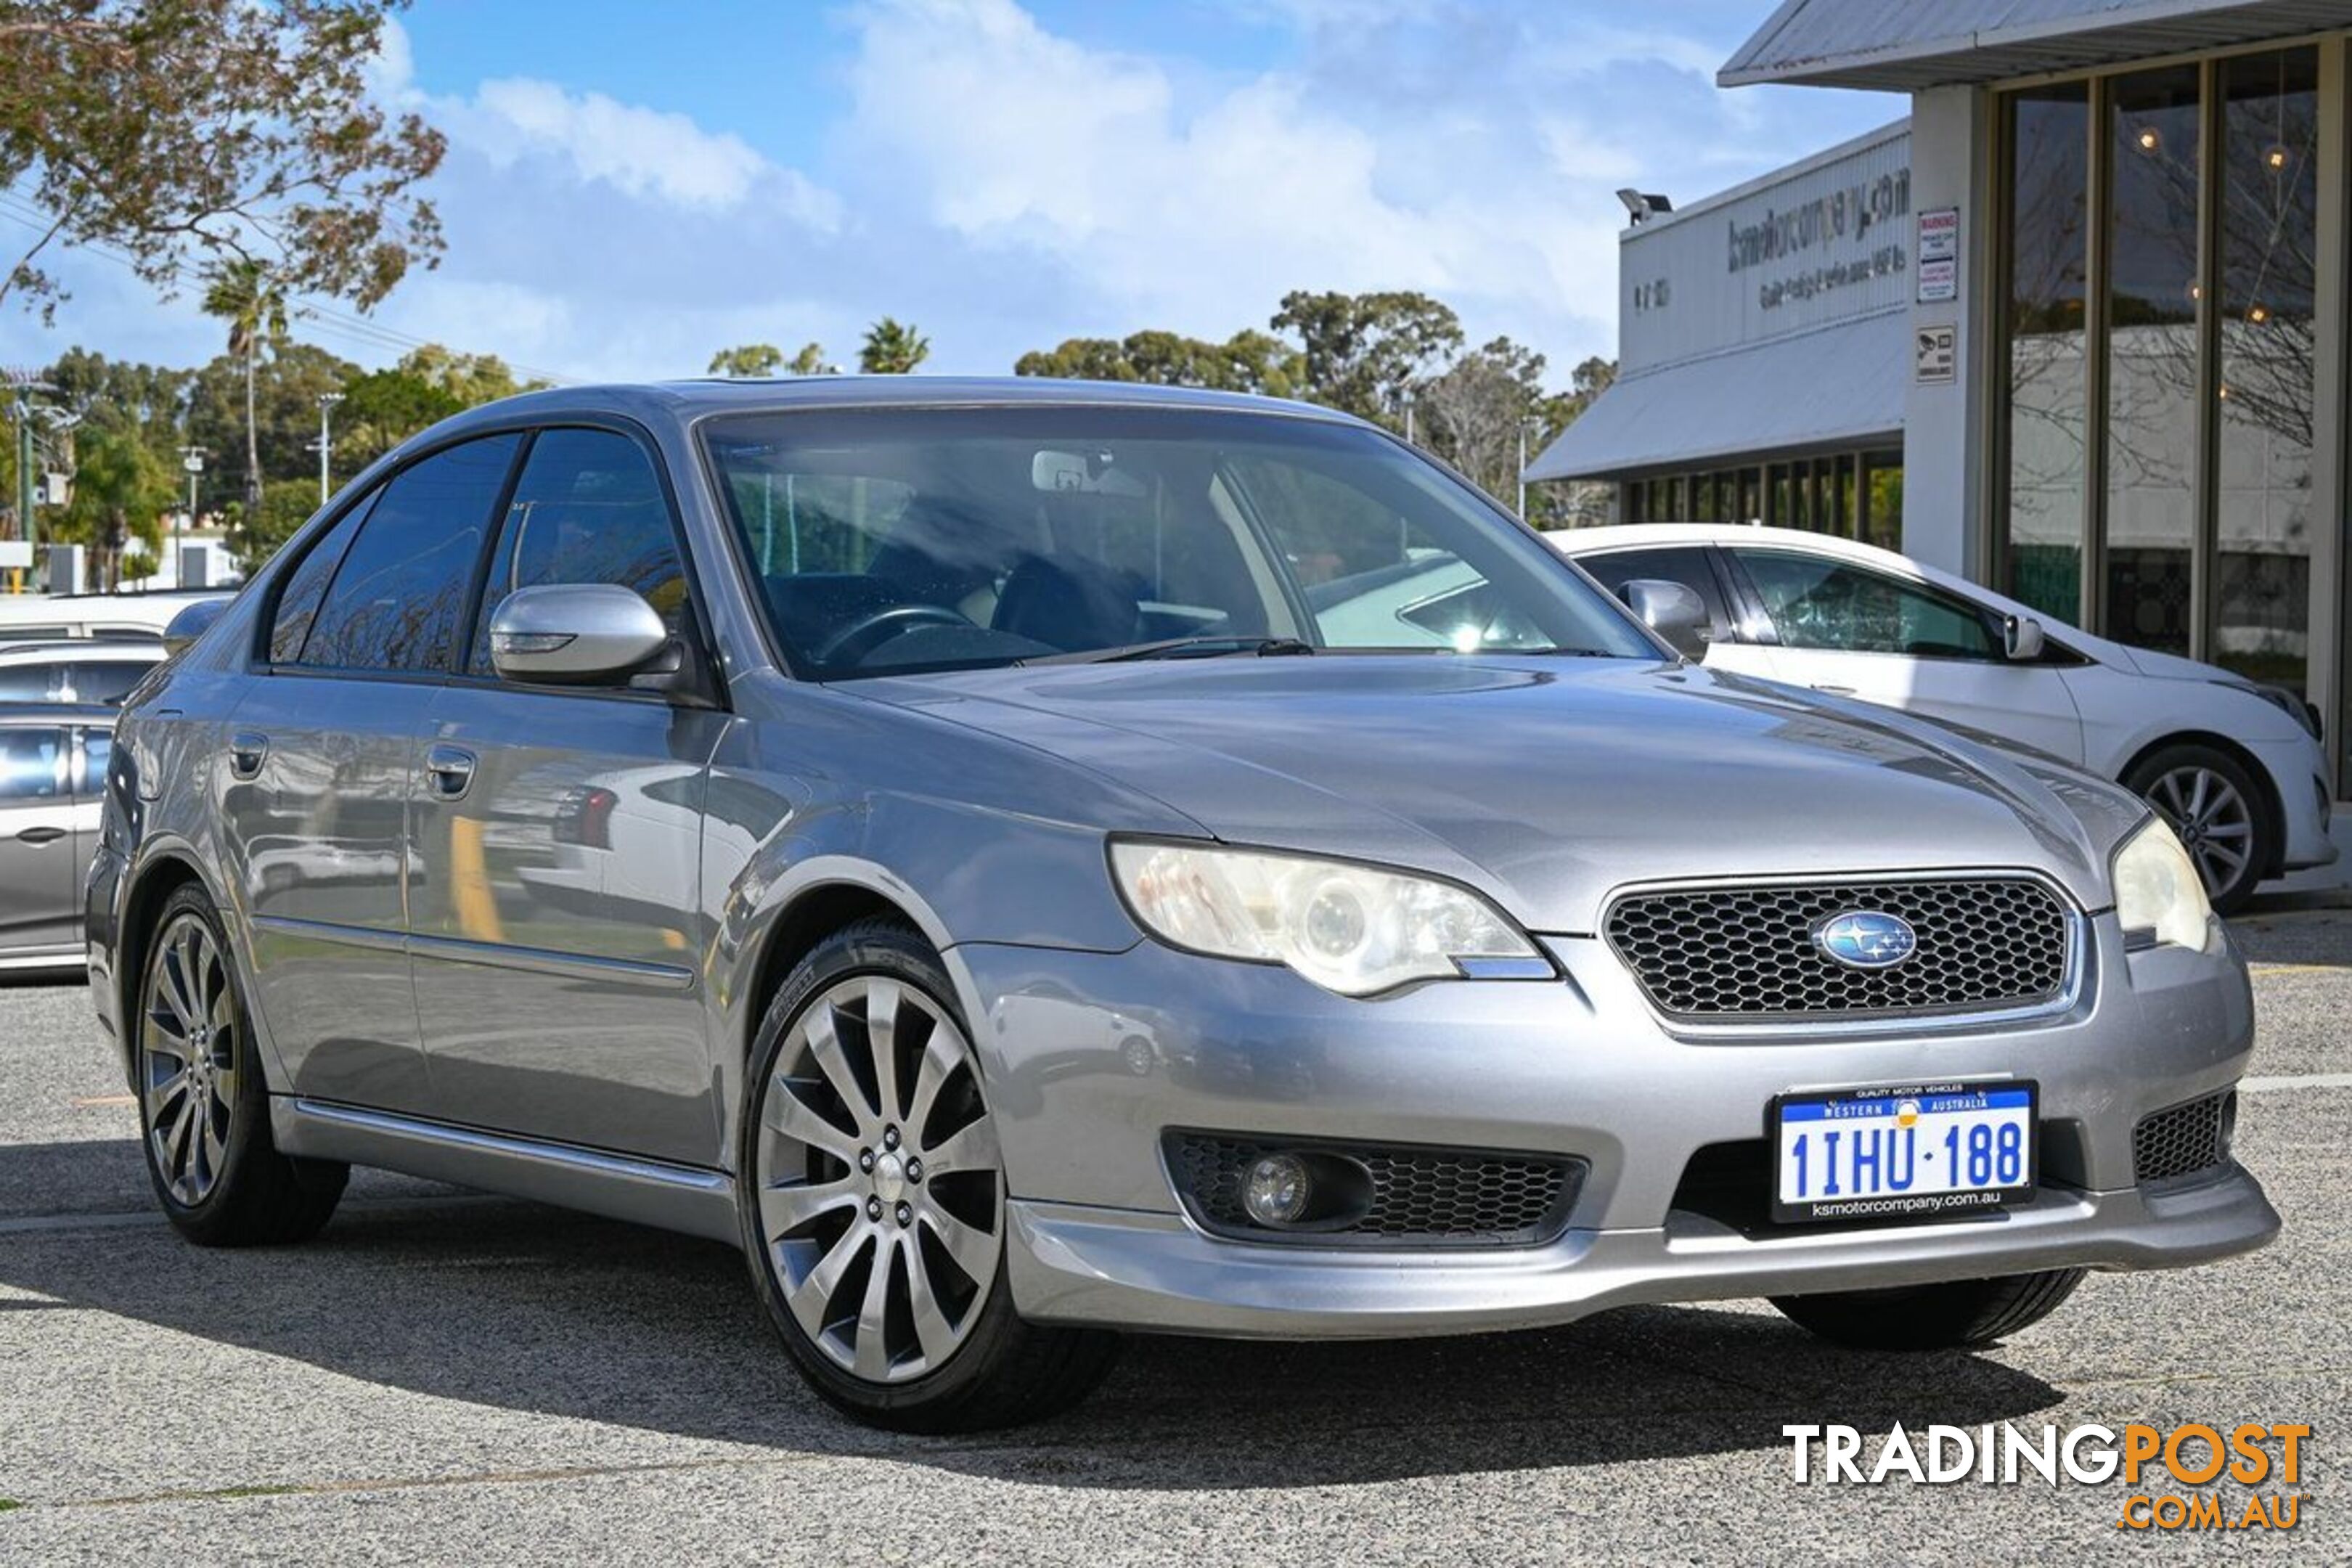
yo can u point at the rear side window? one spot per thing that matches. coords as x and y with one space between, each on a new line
396 599
26 682
588 508
32 763
104 682
1687 565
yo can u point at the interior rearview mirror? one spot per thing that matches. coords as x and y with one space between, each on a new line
575 633
2022 638
190 624
1673 610
1074 473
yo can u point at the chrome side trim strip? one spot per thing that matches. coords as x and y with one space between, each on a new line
545 961
370 937
569 1156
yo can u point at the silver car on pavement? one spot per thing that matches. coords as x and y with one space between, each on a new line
1006 855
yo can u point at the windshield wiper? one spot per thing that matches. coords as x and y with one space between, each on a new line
1181 647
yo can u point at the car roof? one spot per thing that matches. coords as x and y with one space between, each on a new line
18 714
682 400
1635 535
85 648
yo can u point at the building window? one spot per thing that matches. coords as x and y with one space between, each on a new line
2044 267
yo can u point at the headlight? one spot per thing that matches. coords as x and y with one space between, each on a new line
2305 716
1351 929
2159 895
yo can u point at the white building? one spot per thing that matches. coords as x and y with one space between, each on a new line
2077 327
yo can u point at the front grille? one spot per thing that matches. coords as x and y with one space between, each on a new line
2185 1140
1415 1196
1986 944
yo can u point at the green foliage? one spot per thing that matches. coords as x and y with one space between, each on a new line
257 534
120 490
750 360
810 361
381 409
187 134
285 409
472 379
1363 352
1247 361
891 348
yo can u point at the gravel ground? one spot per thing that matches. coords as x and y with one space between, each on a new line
443 1376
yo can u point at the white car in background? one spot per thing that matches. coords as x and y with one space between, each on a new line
2235 766
47 617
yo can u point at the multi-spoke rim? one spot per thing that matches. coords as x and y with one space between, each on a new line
188 1054
2214 820
880 1192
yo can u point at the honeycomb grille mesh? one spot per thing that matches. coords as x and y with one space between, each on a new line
2184 1140
1985 944
1419 1196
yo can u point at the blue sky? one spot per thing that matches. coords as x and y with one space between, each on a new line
631 187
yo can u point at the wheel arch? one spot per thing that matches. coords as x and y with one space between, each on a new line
2267 799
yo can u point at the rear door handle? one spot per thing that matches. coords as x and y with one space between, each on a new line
38 835
246 752
449 772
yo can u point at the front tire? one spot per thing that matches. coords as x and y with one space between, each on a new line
1964 1315
203 1107
2220 813
872 1200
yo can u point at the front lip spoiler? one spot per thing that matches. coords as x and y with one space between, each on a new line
1131 1269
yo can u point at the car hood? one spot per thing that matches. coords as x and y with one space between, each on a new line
1546 782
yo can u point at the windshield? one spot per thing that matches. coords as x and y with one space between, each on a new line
889 539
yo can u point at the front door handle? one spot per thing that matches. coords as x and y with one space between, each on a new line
449 772
38 835
1836 691
246 752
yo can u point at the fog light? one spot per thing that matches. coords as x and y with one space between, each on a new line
1277 1189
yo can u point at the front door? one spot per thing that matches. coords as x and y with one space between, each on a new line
40 897
1849 630
556 925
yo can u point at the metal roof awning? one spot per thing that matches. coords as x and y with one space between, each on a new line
1835 387
1905 44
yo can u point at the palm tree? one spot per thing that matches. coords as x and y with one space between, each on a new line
750 360
892 349
252 299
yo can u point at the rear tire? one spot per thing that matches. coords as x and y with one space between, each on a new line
204 1106
863 1070
1964 1315
2220 813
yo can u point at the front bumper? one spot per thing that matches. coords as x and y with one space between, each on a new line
2298 771
1089 1057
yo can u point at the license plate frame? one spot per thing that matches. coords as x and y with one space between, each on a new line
1873 1107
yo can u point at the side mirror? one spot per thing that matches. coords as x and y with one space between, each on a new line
190 624
574 634
2022 639
1673 610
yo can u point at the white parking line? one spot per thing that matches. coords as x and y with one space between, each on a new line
2298 1081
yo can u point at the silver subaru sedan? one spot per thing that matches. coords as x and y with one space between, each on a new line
1027 861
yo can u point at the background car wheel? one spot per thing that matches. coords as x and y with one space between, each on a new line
2218 810
1958 1316
872 1198
203 1109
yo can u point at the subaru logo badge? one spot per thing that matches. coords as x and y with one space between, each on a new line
1866 939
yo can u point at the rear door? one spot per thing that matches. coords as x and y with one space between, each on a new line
39 895
1851 630
558 914
321 755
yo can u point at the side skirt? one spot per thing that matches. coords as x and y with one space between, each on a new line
647 1192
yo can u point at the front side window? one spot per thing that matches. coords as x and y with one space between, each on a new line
104 680
396 597
32 763
1685 564
588 508
887 539
1817 603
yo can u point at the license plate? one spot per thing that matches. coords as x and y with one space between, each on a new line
1909 1152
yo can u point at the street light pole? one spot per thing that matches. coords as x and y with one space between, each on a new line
327 401
193 459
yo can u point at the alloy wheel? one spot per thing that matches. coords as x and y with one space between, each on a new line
880 1191
2214 821
188 1039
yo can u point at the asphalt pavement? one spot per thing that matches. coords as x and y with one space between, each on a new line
444 1376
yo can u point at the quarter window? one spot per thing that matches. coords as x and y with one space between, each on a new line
1816 603
305 585
588 508
108 680
398 595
